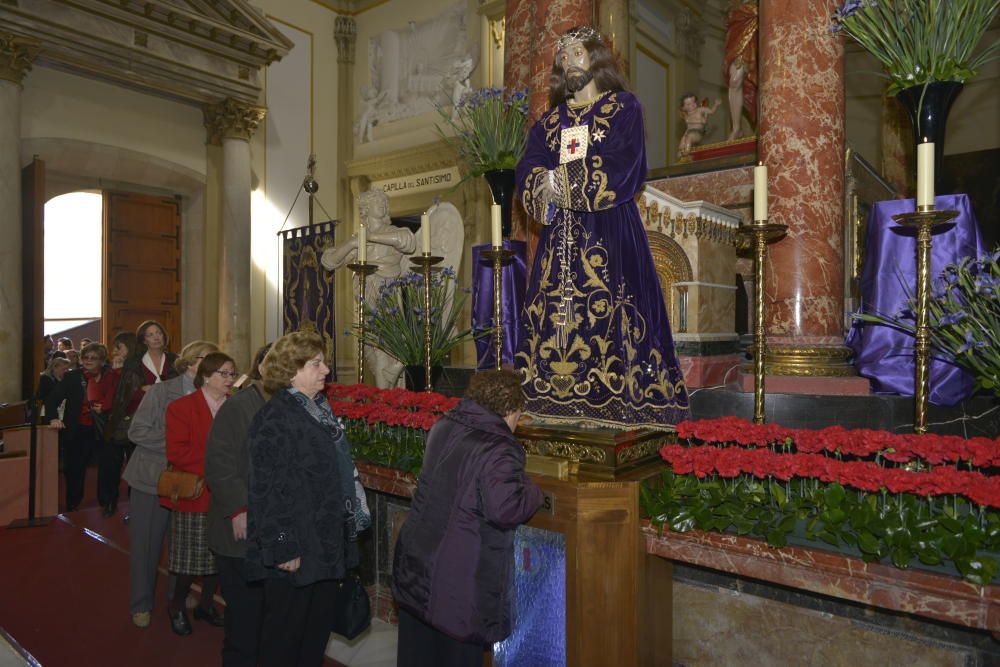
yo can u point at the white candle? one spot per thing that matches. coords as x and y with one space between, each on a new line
425 233
760 192
495 225
925 174
362 244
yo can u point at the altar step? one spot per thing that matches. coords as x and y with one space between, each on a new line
978 416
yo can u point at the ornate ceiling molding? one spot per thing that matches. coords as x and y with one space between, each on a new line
202 51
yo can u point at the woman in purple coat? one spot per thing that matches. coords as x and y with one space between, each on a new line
455 554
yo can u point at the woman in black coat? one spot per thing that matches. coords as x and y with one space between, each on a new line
305 505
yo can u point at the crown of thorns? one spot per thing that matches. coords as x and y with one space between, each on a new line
581 34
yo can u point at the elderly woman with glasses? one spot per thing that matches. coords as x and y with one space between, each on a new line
88 391
305 504
189 420
149 521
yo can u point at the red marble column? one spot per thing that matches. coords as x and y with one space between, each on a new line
532 29
801 135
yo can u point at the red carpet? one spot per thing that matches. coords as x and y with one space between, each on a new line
65 592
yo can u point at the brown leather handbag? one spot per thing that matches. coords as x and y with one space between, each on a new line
179 485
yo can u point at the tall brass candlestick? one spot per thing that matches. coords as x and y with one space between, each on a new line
924 220
361 271
424 263
760 233
498 256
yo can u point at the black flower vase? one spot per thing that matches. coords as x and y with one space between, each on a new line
502 186
415 377
929 115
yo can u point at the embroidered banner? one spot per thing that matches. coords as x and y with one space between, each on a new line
309 302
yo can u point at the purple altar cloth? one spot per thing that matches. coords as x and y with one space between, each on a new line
881 353
513 277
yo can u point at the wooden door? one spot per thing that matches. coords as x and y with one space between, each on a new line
142 262
32 274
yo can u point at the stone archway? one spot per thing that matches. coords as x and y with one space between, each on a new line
73 164
672 267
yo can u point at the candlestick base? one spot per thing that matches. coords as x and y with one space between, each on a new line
425 260
364 268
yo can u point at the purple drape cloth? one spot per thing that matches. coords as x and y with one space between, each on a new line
512 291
597 347
881 353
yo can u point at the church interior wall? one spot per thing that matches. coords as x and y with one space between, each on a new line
59 104
300 93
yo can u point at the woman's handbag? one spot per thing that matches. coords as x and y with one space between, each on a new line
179 485
353 613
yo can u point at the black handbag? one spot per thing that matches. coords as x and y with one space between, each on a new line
100 420
353 613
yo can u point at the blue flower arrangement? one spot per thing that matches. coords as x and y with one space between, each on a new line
394 319
488 129
964 308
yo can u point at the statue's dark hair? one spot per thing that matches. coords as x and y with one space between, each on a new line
604 65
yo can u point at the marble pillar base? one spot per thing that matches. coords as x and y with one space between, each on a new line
710 371
801 384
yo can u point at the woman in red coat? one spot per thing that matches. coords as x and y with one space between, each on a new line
189 420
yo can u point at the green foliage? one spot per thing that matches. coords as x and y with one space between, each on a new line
392 447
964 317
488 129
899 528
918 41
394 320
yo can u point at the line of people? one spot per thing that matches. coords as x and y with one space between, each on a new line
278 521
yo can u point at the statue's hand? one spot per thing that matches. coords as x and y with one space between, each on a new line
334 258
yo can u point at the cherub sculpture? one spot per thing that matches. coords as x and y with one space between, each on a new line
696 117
390 248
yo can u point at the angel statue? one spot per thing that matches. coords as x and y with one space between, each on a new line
390 248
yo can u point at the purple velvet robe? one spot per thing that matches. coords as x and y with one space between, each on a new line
597 347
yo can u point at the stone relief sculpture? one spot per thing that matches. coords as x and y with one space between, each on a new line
419 66
371 98
390 248
461 70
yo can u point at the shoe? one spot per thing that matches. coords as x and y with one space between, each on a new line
210 615
125 517
140 619
180 624
107 510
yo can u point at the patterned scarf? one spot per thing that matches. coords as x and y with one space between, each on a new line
356 505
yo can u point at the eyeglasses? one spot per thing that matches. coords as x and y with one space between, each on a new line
228 374
90 357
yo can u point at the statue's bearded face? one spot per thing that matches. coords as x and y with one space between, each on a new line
574 60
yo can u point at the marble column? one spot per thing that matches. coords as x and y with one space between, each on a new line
802 143
16 56
232 123
533 28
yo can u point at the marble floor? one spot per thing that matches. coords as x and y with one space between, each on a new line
375 648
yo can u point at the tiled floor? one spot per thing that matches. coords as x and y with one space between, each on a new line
375 648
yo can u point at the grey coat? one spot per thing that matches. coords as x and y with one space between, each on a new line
149 433
227 468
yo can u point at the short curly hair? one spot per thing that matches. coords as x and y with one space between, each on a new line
497 391
289 354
